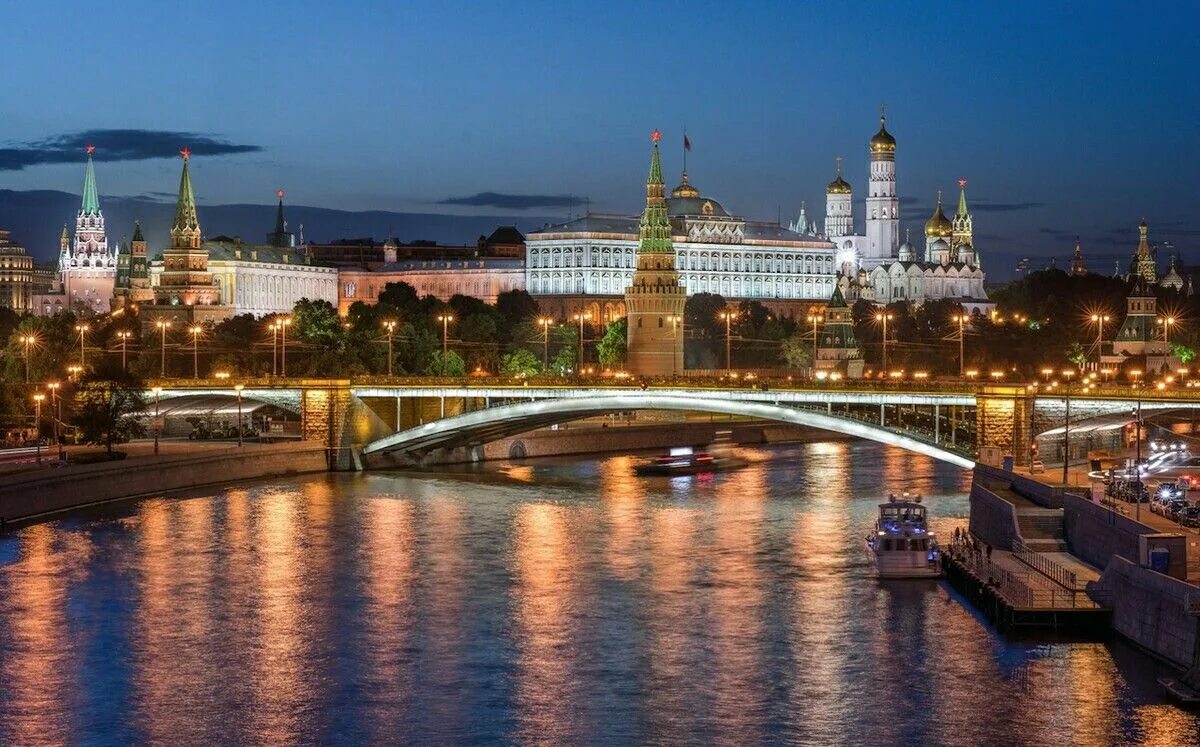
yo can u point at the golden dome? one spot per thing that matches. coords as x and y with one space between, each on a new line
939 225
883 142
684 189
838 186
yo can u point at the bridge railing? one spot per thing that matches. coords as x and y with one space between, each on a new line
1046 566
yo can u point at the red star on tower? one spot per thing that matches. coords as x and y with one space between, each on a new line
187 154
91 149
962 182
279 194
655 136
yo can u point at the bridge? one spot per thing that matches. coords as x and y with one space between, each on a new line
378 422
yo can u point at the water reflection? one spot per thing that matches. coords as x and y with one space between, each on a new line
560 602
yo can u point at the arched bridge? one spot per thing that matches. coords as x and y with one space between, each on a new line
499 421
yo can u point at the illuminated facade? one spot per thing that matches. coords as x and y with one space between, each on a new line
87 268
16 275
483 278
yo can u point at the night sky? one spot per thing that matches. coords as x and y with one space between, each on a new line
1067 118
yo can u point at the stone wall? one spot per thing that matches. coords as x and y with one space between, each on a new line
1149 609
45 491
1096 534
993 519
1036 491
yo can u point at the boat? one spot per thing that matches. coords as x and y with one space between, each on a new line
902 545
684 460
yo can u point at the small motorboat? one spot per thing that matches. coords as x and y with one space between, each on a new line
684 460
902 545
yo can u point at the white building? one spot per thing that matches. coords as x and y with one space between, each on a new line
87 268
874 266
484 278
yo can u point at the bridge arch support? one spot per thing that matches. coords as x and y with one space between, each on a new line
483 426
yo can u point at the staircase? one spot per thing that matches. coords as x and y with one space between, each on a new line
1042 529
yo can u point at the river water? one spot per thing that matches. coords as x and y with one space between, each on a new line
557 602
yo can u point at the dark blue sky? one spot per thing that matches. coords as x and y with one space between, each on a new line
1067 118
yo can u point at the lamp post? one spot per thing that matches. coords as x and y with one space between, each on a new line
124 336
73 372
28 342
1167 322
1067 374
961 319
1099 320
37 424
157 423
1137 459
581 317
238 388
445 319
814 318
284 323
163 325
884 317
274 327
676 321
545 323
728 316
390 326
196 330
81 329
56 400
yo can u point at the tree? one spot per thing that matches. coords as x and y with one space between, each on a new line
1076 354
1184 353
516 306
521 362
612 347
455 366
796 351
316 322
107 404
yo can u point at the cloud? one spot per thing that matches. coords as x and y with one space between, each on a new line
978 205
116 145
513 202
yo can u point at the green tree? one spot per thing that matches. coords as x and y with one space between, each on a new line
455 365
1183 352
108 402
1076 354
611 349
796 351
516 306
521 362
316 322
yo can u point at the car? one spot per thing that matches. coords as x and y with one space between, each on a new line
1190 516
1172 509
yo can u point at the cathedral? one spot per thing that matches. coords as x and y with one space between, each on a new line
875 266
87 269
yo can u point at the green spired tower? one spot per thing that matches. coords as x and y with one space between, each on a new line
837 346
654 301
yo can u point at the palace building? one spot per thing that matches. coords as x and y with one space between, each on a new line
586 264
16 275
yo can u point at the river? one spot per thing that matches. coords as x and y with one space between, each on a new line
552 602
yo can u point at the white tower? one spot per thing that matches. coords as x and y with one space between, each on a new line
839 210
883 207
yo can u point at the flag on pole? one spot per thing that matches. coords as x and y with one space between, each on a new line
687 144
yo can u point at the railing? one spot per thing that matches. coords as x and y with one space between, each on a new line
1024 590
1046 566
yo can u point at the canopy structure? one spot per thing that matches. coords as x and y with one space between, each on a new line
209 405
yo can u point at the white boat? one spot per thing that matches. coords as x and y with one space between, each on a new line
902 545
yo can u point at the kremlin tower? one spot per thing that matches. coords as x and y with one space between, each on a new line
186 283
962 242
87 269
654 301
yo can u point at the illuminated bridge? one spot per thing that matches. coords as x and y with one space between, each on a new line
399 421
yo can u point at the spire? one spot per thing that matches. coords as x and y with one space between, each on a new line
655 228
656 176
91 199
137 231
185 230
962 198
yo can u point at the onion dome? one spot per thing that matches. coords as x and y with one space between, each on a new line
838 186
883 142
907 252
684 189
939 225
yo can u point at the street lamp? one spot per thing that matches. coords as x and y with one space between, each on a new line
37 424
1067 374
814 318
163 325
238 388
1100 320
28 341
545 323
581 317
81 329
390 326
884 317
961 319
274 327
73 372
196 330
728 316
157 423
445 319
1167 322
124 336
284 323
676 320
57 401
